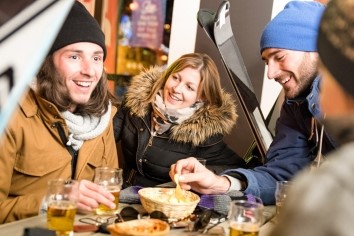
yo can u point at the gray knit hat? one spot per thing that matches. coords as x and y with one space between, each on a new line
79 26
336 42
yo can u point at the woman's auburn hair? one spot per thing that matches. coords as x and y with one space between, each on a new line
209 90
52 88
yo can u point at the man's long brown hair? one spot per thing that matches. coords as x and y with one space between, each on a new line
52 88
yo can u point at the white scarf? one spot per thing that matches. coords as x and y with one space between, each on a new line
83 128
164 117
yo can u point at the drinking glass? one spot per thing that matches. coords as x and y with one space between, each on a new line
245 217
112 180
61 199
281 191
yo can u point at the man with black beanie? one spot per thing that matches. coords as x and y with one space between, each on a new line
63 126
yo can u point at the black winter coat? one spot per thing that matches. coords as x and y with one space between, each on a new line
147 158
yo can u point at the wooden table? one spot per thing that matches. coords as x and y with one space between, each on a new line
17 228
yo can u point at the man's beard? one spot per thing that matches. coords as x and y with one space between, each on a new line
307 74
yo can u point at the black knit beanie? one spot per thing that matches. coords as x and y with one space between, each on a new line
336 42
79 26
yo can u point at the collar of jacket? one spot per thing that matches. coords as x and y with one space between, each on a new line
32 102
311 98
206 122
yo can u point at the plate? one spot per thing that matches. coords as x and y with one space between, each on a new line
141 227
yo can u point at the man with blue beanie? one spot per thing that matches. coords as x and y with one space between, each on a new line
319 201
294 28
288 47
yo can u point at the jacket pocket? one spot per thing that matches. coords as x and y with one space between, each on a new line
41 163
95 154
95 159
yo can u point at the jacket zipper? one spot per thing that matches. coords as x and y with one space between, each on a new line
149 144
150 140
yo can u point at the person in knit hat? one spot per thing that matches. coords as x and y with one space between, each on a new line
288 48
319 201
63 126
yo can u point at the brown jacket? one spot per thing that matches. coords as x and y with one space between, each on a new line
31 153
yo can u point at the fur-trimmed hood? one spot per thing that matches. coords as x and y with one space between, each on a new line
206 122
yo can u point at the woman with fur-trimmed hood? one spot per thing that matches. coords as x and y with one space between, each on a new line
171 114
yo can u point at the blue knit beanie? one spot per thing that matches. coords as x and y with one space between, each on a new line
294 28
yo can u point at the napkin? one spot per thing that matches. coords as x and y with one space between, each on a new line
130 195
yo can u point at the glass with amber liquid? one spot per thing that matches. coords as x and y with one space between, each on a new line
62 196
245 218
281 192
110 179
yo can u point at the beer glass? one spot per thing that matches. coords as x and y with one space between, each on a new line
281 193
112 180
245 217
61 199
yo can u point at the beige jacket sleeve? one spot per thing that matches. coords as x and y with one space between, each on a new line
14 208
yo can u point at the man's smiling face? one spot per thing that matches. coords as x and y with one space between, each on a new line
80 65
293 70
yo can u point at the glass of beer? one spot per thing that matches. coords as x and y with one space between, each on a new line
61 199
281 192
110 179
245 218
